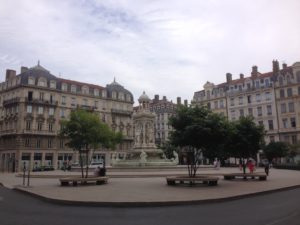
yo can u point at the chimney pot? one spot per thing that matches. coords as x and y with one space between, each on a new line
178 101
228 77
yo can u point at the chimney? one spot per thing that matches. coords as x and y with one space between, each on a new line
228 77
241 76
284 65
185 102
156 98
10 74
178 101
164 98
254 71
23 69
275 66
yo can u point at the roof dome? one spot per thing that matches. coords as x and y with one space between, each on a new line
144 98
115 86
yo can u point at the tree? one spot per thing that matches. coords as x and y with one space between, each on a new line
276 150
198 131
86 132
245 139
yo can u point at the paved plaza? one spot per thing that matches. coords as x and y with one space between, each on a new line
149 186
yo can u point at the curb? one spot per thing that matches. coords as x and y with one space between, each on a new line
152 204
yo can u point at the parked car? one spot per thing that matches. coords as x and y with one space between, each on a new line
94 165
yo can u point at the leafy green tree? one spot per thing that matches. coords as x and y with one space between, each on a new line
85 132
276 150
198 131
245 139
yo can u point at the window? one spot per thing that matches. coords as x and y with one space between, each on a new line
269 109
49 143
40 126
249 98
121 96
96 104
85 90
291 107
232 102
61 143
52 99
64 87
259 111
38 143
240 87
270 123
42 96
221 104
272 139
73 88
232 114
31 80
96 92
52 84
280 79
250 111
42 82
29 95
287 139
73 102
285 123
298 76
260 123
28 125
62 113
51 111
128 98
267 82
268 96
283 108
294 139
40 110
289 92
257 84
27 142
241 112
248 86
104 93
288 79
240 100
114 95
281 93
29 109
258 98
63 100
85 102
50 126
293 122
216 104
208 105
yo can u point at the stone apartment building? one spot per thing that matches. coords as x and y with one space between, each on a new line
272 98
33 103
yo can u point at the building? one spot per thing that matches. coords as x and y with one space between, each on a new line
33 103
272 98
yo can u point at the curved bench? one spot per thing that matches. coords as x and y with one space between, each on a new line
76 180
210 181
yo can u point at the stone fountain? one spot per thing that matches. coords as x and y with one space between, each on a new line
144 152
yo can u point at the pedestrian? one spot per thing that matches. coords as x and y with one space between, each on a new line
267 167
251 166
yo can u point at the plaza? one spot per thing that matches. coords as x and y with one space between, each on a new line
148 187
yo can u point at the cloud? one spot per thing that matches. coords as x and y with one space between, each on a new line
163 47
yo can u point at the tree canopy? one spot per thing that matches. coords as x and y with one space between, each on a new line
197 130
276 150
84 132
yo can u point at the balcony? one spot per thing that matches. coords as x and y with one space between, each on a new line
8 132
41 102
121 112
87 107
40 132
12 101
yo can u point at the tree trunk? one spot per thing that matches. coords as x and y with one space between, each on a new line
81 163
87 163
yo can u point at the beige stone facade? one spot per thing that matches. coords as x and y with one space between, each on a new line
271 98
33 103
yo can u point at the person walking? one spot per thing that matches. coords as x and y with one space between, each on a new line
267 167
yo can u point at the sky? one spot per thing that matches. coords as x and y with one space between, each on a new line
166 47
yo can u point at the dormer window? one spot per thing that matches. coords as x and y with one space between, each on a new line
104 93
121 96
128 98
85 90
42 82
73 89
64 87
96 92
52 84
31 81
114 95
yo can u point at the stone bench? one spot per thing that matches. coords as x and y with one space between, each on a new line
210 181
75 180
231 176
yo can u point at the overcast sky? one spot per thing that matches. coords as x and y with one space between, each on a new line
165 47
